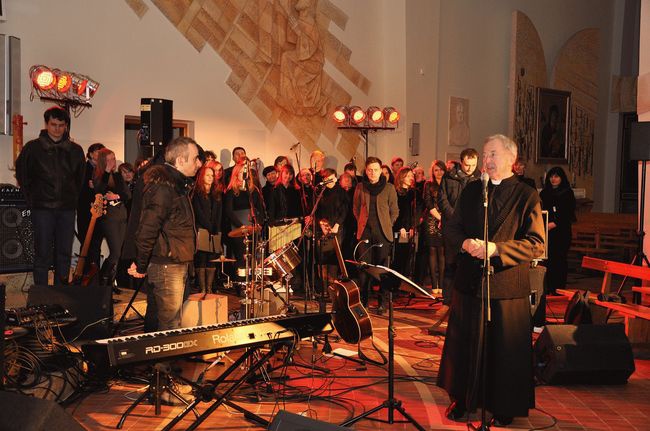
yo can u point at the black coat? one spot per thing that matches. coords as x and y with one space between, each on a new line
207 212
561 206
49 173
284 203
166 232
451 186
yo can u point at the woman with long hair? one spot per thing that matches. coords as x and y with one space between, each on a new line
404 227
207 204
285 196
433 228
388 174
560 202
244 206
108 181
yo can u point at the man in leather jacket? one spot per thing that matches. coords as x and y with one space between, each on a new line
50 172
165 240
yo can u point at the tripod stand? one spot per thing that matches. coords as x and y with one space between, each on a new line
391 403
138 285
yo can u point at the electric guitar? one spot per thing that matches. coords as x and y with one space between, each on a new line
97 209
349 316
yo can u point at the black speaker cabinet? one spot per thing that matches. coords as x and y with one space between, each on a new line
286 421
16 238
23 413
156 119
640 141
91 305
583 354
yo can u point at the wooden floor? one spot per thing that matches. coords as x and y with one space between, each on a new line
346 389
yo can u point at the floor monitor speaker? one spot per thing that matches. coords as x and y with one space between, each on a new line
23 413
286 421
583 354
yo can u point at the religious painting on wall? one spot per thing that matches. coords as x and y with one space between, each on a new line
458 121
553 108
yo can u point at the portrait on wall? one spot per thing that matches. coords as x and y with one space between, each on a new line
458 121
553 108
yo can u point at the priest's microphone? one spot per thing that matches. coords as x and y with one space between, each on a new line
485 178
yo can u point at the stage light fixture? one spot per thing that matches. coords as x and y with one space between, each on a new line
43 78
357 115
375 115
64 82
391 115
68 89
340 114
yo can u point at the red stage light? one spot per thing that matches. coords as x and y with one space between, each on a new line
340 114
81 87
357 115
43 78
375 115
391 114
64 83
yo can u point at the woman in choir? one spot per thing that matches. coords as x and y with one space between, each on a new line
244 206
388 174
558 199
433 227
404 227
108 181
207 204
285 197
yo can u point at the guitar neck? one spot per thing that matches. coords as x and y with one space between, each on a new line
339 257
79 270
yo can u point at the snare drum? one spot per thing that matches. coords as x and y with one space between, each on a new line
284 260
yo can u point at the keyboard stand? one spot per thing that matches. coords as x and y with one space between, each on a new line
158 382
207 392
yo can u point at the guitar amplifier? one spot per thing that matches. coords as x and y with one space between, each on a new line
16 233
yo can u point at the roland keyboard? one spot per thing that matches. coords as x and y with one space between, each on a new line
199 340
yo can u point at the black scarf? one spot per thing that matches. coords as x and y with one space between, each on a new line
375 189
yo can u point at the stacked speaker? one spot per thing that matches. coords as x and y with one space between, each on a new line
16 234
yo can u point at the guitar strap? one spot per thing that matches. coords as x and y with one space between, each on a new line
383 361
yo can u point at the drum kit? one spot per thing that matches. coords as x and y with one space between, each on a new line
262 273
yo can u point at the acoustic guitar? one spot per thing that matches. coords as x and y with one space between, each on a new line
349 316
97 209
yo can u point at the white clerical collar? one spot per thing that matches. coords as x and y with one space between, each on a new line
495 182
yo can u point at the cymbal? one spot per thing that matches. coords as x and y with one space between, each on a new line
221 259
243 231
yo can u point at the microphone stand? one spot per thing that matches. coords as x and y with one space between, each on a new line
486 316
303 245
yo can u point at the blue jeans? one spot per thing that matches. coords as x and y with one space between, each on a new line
53 228
167 286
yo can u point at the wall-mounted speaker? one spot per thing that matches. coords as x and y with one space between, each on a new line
415 139
640 141
286 421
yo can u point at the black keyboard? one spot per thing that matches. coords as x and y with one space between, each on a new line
198 340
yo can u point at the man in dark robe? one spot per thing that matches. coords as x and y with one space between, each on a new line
515 238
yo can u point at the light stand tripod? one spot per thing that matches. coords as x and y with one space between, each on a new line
391 403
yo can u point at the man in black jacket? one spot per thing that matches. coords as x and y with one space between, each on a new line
451 187
165 239
50 171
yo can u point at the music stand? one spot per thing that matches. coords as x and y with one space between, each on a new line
392 280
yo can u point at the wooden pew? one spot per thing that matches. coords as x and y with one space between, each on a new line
605 235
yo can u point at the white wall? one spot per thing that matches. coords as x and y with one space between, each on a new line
133 58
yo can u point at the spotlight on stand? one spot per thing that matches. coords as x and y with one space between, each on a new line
391 115
364 120
70 90
357 115
341 114
375 116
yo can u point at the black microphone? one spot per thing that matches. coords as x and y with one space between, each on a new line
294 146
322 183
485 178
245 174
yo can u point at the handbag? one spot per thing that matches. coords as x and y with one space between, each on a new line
208 242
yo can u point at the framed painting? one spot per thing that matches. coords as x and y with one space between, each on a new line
552 135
